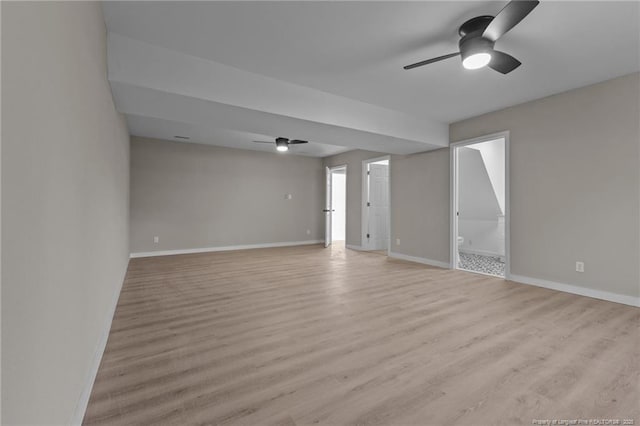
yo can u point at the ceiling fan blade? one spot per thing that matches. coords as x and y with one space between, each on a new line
430 61
514 12
271 142
503 62
297 141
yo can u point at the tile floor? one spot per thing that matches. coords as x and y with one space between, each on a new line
485 264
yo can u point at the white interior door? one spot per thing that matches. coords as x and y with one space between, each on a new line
378 206
327 209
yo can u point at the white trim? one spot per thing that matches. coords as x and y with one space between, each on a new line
582 291
422 260
329 201
360 248
365 192
390 209
453 208
481 273
224 248
83 400
507 205
453 195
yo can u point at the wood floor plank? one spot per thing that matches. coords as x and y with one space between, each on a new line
305 335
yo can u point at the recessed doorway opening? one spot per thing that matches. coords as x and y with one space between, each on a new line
336 205
480 205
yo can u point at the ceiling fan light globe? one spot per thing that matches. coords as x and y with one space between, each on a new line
476 60
282 148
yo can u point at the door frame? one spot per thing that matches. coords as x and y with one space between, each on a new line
328 202
453 239
364 244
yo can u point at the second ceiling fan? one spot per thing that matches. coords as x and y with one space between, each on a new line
479 34
282 144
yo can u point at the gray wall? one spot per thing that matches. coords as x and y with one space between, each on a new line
574 184
353 160
480 221
198 196
476 196
575 187
65 192
420 205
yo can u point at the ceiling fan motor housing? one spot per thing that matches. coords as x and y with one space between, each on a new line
282 144
472 44
471 32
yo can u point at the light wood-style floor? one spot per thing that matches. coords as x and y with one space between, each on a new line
307 335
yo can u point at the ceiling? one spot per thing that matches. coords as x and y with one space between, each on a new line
159 129
348 58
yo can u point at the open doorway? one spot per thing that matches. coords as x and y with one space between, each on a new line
336 205
480 205
375 216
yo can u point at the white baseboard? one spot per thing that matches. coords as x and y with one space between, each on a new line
582 291
354 247
83 401
422 260
225 248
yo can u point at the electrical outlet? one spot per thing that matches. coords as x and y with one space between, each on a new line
470 242
308 231
397 241
156 240
579 266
